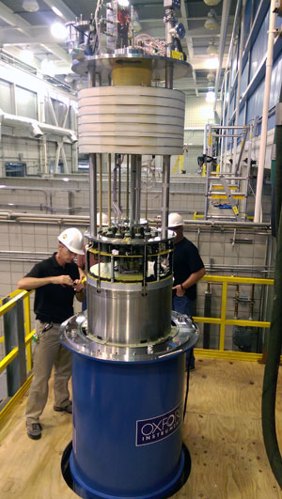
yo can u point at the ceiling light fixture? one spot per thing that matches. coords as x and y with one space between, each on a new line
59 31
123 3
211 21
212 3
30 5
211 77
210 97
212 49
212 63
57 11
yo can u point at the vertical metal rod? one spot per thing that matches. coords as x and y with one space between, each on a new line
119 183
100 160
91 78
207 163
109 188
132 189
93 194
168 75
165 193
92 172
252 303
138 188
127 185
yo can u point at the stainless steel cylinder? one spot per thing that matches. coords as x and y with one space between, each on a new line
122 314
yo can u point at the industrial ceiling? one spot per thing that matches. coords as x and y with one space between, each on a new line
25 24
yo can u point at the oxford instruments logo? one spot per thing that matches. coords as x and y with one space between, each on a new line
151 431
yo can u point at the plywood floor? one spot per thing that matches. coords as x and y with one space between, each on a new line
222 430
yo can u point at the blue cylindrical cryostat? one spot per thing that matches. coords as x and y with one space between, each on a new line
128 373
127 421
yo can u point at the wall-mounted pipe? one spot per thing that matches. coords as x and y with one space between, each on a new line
264 123
37 128
222 41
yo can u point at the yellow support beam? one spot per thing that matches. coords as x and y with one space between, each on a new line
220 187
228 355
224 196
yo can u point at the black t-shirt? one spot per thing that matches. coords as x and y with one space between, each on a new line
186 261
53 302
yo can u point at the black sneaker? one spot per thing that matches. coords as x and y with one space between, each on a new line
66 408
34 430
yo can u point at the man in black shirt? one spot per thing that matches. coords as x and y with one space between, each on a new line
188 269
56 281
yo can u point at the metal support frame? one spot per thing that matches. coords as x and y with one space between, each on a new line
233 187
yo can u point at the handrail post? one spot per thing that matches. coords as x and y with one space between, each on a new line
15 337
223 316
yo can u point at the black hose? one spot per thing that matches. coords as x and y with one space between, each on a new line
275 333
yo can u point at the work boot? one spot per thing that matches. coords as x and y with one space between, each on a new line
34 430
66 408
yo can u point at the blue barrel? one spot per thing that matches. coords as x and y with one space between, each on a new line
127 427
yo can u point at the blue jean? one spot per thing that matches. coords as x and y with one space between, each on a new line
183 305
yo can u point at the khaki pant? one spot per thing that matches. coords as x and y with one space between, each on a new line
48 352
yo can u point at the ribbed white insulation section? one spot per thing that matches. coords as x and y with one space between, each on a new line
131 120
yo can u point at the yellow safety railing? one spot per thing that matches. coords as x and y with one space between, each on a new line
10 302
223 321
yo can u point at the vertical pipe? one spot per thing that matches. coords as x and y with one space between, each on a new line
165 193
91 77
222 41
93 194
263 137
223 316
239 79
109 188
119 181
132 190
92 173
168 75
127 186
138 189
208 152
99 158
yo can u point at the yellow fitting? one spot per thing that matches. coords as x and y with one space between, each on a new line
132 72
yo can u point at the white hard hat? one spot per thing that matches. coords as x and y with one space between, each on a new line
73 240
105 219
175 220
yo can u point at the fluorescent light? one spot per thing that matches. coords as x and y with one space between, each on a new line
57 11
212 63
212 3
123 3
210 97
59 31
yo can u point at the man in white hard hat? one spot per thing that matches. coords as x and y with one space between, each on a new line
188 269
56 281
